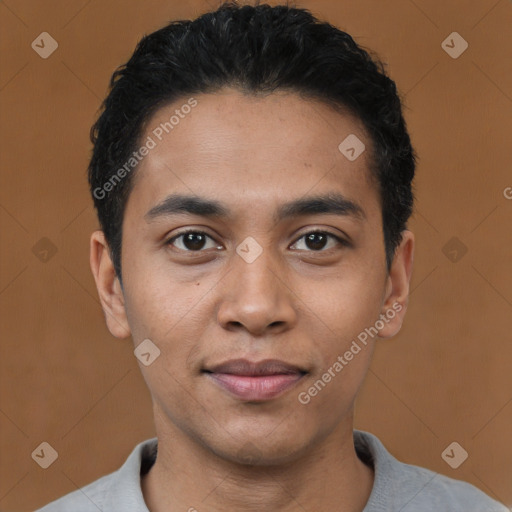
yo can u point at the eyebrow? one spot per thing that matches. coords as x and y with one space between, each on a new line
331 203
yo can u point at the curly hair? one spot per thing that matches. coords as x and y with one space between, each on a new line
256 49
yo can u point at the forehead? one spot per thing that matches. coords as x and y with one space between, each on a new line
252 151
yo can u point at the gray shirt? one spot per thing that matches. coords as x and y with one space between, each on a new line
397 486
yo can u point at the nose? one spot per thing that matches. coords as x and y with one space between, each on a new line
255 297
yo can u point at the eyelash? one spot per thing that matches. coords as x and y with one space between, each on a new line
341 241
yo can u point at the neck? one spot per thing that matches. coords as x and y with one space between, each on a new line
188 476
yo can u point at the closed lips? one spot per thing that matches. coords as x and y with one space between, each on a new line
255 381
244 367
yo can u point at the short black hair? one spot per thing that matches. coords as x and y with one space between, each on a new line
256 49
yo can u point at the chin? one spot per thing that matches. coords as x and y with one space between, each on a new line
261 450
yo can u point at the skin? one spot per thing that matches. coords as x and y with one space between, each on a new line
297 302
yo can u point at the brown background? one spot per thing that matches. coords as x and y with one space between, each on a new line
447 375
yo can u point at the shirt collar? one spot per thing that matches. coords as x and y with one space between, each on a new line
125 492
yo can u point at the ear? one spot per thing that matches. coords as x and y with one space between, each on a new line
396 297
108 285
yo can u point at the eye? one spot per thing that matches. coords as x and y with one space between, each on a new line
317 240
196 241
192 241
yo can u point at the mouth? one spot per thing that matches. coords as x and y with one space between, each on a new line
255 381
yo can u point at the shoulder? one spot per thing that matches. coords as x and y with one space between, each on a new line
120 490
409 488
432 491
89 498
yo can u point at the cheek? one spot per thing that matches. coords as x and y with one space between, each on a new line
347 314
332 388
350 304
155 300
173 316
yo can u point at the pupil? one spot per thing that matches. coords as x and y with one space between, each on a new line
318 245
192 244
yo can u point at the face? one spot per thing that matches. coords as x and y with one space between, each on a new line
249 307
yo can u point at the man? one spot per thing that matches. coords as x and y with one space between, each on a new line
252 175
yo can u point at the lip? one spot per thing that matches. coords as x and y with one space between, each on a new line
255 381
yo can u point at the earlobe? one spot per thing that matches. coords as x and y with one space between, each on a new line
108 286
396 297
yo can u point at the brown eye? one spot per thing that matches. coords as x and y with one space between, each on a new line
191 241
317 240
